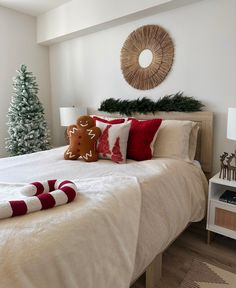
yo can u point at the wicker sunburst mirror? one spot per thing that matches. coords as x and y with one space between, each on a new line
146 57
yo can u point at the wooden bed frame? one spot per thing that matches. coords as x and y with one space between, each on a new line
203 155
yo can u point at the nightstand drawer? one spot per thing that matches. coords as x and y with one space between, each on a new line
222 218
225 218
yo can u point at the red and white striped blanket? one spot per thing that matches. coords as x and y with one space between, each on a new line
88 243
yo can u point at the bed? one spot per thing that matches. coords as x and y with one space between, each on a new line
140 207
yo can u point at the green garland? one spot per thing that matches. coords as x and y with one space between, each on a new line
176 102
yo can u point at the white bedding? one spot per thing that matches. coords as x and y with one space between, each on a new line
73 245
173 193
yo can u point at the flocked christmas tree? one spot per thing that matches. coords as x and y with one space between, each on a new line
103 145
116 154
28 131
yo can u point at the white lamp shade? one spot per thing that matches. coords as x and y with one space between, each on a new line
69 115
231 127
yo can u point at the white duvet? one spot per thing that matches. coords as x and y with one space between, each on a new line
171 194
82 244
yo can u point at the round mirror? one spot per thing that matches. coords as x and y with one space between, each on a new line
145 58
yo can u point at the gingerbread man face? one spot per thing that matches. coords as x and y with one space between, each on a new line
85 122
83 140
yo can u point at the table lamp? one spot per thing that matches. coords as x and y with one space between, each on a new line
69 115
231 126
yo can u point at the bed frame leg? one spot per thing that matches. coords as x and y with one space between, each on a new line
153 272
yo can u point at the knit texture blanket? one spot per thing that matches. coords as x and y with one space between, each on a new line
90 242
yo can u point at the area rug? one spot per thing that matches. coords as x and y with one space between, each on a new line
205 275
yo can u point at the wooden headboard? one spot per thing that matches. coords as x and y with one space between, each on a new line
205 136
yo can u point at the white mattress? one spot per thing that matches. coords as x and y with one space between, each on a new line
173 192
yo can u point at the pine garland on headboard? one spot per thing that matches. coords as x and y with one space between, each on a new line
175 102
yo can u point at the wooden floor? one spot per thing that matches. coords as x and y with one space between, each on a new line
192 245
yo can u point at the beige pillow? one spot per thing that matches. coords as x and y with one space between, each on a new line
173 140
193 141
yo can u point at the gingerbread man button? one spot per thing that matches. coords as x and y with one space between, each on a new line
83 140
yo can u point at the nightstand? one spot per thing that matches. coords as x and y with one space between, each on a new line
221 216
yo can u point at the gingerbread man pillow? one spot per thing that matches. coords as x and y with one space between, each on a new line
83 140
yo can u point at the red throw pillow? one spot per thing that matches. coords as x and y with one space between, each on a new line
112 121
141 138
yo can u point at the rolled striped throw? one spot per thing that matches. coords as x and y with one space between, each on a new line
42 195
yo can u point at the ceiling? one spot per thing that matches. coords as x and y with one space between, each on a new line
32 7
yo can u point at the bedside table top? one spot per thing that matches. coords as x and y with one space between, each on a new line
217 180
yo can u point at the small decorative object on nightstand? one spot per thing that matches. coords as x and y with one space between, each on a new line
221 214
69 115
223 166
227 168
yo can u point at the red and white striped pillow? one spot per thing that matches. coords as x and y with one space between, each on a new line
41 195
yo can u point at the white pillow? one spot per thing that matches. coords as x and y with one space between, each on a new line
112 143
173 140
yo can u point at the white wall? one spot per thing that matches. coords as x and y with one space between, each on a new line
18 46
86 70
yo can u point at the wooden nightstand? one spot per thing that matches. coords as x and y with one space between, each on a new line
221 216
